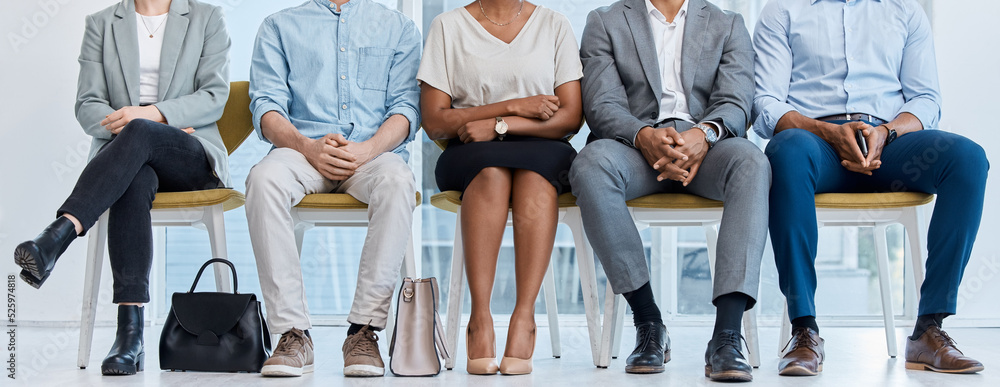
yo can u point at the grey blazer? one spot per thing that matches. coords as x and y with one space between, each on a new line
621 81
194 73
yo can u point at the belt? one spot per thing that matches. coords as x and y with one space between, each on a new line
854 117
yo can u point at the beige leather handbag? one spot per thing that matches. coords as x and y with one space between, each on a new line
418 342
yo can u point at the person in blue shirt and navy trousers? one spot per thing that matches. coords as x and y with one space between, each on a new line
826 69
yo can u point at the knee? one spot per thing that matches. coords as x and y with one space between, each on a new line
138 129
791 149
965 156
268 177
494 177
395 181
596 162
754 164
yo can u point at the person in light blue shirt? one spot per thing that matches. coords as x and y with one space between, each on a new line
333 85
847 91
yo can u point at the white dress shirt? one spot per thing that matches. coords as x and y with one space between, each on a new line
668 38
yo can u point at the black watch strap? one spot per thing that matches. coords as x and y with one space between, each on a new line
892 134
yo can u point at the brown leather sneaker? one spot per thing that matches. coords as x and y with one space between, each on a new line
935 350
361 356
293 355
803 354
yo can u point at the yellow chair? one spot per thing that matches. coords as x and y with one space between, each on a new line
202 209
670 210
878 210
343 210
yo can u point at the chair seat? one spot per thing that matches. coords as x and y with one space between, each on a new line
335 201
451 200
853 201
230 199
675 201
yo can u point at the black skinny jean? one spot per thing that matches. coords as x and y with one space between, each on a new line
124 177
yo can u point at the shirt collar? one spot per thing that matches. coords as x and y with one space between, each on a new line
651 9
815 1
333 7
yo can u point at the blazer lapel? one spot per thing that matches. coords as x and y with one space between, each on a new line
694 41
642 35
173 41
127 43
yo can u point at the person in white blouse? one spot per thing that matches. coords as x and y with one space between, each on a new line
500 82
153 82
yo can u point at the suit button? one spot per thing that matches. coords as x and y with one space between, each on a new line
652 116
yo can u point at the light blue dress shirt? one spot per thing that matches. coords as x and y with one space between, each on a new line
334 72
825 57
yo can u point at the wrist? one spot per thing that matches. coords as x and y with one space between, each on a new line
642 137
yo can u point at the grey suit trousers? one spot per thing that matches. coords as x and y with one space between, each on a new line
606 173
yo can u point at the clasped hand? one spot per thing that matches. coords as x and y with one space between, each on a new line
335 157
116 121
677 156
843 140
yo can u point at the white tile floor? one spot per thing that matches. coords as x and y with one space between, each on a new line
856 357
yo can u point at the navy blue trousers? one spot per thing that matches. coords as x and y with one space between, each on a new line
124 177
932 161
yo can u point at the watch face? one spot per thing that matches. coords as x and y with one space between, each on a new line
501 127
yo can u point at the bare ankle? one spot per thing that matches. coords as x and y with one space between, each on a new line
76 223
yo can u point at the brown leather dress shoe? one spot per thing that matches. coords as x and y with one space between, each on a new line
803 354
935 350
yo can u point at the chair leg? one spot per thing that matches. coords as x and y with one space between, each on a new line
551 308
216 225
455 292
91 288
885 286
786 331
616 342
750 334
611 302
588 281
915 228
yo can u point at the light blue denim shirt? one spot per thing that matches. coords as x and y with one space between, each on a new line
824 57
337 72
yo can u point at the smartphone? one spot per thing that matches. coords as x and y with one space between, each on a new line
862 143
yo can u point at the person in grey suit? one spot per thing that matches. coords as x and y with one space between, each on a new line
153 82
667 89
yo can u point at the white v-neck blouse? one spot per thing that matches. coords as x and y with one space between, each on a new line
476 68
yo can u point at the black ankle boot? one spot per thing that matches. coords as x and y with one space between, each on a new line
127 355
38 256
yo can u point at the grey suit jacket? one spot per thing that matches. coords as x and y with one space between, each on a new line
621 81
194 73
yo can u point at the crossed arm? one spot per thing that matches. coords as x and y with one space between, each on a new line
546 116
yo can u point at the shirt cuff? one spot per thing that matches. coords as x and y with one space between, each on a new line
927 111
769 116
259 113
410 114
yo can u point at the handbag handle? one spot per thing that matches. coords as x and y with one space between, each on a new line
211 261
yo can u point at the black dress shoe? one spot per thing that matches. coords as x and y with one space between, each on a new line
652 349
724 361
38 256
127 354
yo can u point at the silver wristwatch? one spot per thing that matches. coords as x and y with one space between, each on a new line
501 128
710 135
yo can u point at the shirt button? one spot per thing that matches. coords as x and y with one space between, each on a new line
344 49
342 20
343 77
344 107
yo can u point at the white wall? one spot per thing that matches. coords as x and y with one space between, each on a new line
965 39
45 150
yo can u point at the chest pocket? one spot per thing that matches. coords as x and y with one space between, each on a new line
373 68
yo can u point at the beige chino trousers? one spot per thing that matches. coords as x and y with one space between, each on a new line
278 183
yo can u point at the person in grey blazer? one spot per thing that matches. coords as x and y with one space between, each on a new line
667 89
153 82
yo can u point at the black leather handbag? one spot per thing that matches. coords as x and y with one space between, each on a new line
216 332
